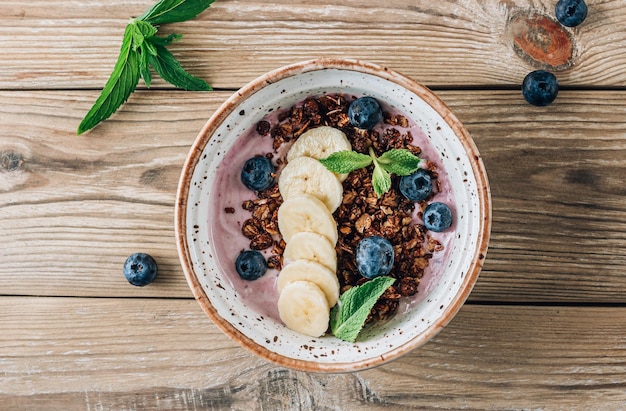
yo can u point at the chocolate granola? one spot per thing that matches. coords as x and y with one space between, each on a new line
362 213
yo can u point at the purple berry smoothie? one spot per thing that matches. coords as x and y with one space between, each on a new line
227 238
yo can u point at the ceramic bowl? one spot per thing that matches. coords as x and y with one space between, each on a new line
229 303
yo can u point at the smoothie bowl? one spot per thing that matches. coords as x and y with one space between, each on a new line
332 215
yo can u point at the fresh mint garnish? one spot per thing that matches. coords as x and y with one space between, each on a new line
348 316
395 161
399 162
343 162
141 50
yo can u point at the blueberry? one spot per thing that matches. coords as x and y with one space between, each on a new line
250 265
437 217
140 269
365 113
540 88
416 186
570 13
374 256
257 173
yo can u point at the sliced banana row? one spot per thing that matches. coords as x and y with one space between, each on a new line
308 283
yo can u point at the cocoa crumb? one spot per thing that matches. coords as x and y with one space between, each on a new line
263 127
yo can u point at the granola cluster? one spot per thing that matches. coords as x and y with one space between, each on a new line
262 227
362 213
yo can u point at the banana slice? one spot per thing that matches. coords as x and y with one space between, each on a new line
305 212
319 143
303 307
303 270
307 175
312 247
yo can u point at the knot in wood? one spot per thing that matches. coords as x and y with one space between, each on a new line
11 161
541 41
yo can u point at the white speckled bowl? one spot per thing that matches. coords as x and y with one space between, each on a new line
440 298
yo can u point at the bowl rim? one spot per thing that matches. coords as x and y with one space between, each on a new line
219 116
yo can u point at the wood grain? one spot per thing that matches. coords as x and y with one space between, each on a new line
557 181
545 325
132 354
442 44
73 208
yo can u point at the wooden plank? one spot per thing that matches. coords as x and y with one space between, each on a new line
76 354
73 208
557 181
469 43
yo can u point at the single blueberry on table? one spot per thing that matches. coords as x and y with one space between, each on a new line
570 13
540 87
140 269
374 256
365 112
257 173
416 186
250 265
437 217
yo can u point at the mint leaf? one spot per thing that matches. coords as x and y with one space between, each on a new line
150 48
348 316
165 41
119 86
381 180
144 67
141 48
166 65
173 11
400 162
343 162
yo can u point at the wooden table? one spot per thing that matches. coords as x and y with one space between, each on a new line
545 326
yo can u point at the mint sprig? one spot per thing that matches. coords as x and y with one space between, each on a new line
142 50
348 316
395 161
